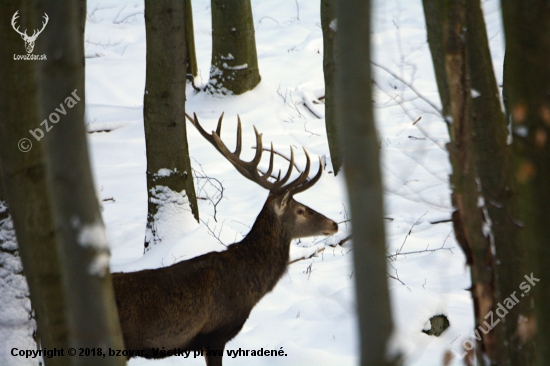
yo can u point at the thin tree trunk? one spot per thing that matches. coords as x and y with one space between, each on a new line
234 61
329 26
360 148
80 234
527 28
435 27
191 54
495 172
169 179
24 181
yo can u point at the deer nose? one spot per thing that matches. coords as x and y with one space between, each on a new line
335 226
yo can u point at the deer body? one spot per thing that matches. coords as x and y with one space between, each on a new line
203 302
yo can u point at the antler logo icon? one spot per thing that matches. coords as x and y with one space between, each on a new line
29 40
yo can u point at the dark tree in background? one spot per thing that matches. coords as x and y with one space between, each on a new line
191 55
480 155
527 82
494 164
169 177
360 148
24 177
234 61
79 231
329 26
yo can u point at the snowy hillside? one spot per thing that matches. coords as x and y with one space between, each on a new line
311 312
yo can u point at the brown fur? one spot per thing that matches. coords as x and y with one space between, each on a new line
203 302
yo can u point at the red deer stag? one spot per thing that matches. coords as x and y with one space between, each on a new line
202 303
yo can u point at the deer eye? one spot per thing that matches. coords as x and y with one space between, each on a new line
300 211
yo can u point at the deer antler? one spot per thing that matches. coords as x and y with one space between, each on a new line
24 34
13 19
44 23
250 169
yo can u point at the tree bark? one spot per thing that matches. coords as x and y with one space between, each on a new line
495 171
191 54
24 177
169 178
329 27
435 27
360 148
454 53
234 61
527 29
80 234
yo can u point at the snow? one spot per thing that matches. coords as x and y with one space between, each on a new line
238 67
16 325
311 312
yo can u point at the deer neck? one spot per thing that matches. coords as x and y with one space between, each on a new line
265 250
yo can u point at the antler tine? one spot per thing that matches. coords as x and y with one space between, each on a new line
247 169
13 19
312 181
250 169
204 134
259 148
270 169
279 184
303 176
219 127
239 136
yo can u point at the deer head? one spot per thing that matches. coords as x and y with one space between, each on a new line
29 40
296 219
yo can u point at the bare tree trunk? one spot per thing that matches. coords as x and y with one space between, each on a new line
360 148
80 234
169 177
435 27
527 28
234 61
496 177
329 26
452 51
191 54
22 170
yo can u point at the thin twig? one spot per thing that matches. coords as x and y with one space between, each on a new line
419 251
410 231
213 232
429 102
341 242
320 250
396 278
312 112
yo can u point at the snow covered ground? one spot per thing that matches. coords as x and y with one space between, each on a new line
311 312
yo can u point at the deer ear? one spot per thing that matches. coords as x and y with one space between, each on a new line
281 206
